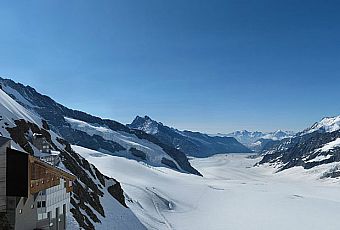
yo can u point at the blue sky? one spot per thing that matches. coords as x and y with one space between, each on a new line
213 66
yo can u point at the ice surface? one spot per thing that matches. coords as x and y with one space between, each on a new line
232 194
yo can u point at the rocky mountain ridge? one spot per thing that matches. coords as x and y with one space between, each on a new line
315 146
192 143
99 134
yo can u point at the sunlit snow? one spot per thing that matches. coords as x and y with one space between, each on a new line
232 194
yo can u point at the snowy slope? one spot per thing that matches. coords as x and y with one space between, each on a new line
315 146
154 153
327 124
231 194
11 110
18 122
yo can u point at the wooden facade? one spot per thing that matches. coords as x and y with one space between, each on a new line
43 176
22 174
25 190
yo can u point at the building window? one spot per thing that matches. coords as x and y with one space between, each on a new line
39 204
20 211
43 204
32 206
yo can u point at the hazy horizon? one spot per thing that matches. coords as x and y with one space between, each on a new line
214 67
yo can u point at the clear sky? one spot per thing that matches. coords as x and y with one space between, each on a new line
213 66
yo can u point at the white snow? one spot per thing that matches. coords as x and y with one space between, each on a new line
150 127
154 152
232 194
17 95
320 158
327 124
11 110
329 146
252 139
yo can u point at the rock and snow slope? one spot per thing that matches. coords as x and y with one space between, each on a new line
97 201
317 145
232 194
326 125
192 143
96 133
152 153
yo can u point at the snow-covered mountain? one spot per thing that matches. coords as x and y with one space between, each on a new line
192 143
256 140
97 201
96 133
315 146
326 125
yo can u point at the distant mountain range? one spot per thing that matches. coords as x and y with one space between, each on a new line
315 146
257 140
192 143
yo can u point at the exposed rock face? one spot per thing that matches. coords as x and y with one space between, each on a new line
169 163
192 143
138 153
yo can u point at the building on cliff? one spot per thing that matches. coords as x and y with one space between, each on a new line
34 193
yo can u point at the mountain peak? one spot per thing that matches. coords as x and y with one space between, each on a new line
326 124
145 124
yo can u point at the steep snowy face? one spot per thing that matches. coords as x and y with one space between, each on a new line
327 124
11 110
